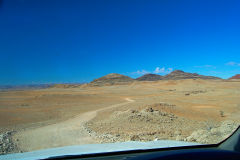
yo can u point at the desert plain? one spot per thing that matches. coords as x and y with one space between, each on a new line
194 110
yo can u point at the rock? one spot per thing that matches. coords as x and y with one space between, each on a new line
149 109
227 127
215 131
135 138
6 143
133 111
179 138
198 136
215 135
178 132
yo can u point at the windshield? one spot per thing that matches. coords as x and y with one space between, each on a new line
100 71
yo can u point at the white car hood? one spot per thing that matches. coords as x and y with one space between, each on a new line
95 148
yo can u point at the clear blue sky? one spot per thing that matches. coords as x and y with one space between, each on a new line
56 41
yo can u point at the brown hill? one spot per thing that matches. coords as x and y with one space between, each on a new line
178 74
237 76
150 77
111 79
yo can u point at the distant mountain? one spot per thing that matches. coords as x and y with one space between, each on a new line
67 85
150 77
178 74
111 79
24 87
237 76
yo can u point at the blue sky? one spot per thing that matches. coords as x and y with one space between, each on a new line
68 41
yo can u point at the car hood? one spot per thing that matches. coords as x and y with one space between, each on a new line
96 148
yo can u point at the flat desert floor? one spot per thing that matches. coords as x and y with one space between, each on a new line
204 111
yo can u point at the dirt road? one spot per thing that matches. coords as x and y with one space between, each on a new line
69 132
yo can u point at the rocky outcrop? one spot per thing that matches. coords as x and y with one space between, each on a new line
147 123
6 143
213 135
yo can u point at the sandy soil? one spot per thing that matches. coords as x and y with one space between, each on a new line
57 117
69 132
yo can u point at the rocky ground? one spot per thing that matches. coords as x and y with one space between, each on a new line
203 111
6 143
213 135
153 122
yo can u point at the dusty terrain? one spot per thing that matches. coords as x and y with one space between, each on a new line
204 111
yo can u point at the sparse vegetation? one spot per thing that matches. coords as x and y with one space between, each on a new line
195 92
221 113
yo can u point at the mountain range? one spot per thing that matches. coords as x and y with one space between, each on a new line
25 87
115 78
